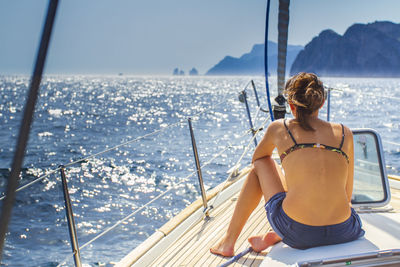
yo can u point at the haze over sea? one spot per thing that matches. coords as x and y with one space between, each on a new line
79 116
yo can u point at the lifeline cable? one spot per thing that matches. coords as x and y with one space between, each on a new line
392 143
370 94
115 147
104 151
238 161
93 155
33 182
185 179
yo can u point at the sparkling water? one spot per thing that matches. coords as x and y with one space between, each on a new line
79 117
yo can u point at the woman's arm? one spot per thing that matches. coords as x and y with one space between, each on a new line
267 144
350 172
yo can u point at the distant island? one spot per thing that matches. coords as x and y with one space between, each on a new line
192 72
253 63
364 50
178 72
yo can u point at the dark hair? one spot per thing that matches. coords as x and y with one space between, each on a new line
306 92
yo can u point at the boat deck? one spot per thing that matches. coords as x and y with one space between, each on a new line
192 249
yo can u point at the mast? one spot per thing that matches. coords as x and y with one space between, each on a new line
283 26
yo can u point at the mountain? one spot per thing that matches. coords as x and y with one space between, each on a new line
364 50
253 63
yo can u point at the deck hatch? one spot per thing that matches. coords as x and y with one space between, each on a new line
371 187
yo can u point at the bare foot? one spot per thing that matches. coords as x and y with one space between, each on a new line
261 242
223 249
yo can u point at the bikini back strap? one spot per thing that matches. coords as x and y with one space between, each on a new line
341 143
291 136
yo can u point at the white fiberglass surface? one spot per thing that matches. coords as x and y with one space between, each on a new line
382 232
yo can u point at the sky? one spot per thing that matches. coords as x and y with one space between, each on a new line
138 37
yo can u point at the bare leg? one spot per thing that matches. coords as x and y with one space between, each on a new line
270 177
264 179
249 197
274 179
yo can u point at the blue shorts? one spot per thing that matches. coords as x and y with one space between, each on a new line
302 236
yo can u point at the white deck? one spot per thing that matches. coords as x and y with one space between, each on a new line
382 232
192 248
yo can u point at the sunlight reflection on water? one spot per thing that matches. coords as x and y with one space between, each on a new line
78 116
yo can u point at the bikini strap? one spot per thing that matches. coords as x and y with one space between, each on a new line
341 144
287 129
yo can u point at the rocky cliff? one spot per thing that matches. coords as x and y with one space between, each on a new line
364 50
253 63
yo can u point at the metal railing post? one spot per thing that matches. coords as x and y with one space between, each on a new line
255 93
198 167
70 218
329 105
249 116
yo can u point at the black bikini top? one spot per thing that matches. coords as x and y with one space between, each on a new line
297 146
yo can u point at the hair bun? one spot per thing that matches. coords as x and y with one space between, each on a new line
314 98
306 92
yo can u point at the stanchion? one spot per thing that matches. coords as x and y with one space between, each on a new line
198 167
243 98
328 112
255 93
70 219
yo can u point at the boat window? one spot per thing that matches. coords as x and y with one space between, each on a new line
370 180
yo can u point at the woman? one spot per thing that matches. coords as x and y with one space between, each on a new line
309 205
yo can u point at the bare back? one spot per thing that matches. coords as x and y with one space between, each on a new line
319 181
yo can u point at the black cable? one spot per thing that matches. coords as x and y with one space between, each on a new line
26 122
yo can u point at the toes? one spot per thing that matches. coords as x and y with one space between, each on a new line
220 252
213 251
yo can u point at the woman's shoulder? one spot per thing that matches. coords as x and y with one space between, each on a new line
276 125
275 128
340 126
340 129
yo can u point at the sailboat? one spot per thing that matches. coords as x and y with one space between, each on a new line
186 238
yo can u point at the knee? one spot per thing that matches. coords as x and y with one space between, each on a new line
262 163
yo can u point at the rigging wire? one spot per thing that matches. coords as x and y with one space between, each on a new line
258 113
229 146
371 94
266 61
392 143
185 179
195 117
99 153
92 156
239 160
352 91
33 182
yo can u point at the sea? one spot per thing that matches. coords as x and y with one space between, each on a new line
126 147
